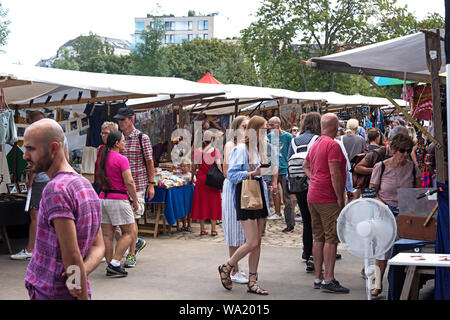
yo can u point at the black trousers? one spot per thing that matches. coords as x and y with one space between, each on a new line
306 216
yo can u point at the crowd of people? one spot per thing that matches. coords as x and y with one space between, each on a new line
80 220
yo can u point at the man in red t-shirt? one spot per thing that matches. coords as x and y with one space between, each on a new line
325 166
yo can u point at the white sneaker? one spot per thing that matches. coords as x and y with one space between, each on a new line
22 255
298 219
239 277
103 259
274 217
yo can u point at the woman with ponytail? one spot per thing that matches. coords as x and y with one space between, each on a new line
114 175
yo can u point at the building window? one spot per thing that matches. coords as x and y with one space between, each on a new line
205 36
190 37
189 25
139 26
169 38
170 25
203 25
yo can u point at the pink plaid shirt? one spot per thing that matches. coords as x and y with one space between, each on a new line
134 154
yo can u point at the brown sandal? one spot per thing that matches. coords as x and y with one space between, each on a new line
225 277
253 287
203 233
213 233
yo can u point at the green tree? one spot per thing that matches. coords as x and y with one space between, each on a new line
147 56
4 26
322 27
66 62
226 61
93 55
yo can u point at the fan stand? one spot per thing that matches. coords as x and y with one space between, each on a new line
369 270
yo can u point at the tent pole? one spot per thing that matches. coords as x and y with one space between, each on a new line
433 54
404 112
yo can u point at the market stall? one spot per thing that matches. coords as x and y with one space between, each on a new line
418 57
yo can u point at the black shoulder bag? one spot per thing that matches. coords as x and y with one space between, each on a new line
214 177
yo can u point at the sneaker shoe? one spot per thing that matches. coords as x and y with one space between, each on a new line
288 230
318 284
298 219
22 255
116 272
130 261
141 243
309 266
274 217
338 256
239 277
334 286
103 259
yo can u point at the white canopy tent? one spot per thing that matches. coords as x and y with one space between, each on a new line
24 83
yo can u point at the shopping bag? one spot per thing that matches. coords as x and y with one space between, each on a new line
251 197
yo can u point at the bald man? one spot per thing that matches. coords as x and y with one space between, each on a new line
325 166
68 221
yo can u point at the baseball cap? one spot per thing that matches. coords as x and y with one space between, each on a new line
124 112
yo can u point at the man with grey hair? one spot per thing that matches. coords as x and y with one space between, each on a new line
284 140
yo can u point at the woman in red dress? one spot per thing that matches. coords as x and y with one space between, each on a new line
207 201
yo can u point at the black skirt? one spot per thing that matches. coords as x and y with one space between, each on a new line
243 214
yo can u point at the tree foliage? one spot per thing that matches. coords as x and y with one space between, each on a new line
4 26
322 27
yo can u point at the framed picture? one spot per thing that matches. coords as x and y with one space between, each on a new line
74 126
84 123
23 187
21 130
12 188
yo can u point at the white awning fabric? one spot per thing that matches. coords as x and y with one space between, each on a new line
400 58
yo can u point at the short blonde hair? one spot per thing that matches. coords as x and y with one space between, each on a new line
112 126
352 124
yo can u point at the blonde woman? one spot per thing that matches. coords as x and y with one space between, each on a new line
234 234
245 163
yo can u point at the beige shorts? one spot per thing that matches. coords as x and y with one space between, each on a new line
117 212
324 221
141 201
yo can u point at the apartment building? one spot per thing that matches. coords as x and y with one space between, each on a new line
177 29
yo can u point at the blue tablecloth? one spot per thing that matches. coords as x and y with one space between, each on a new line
177 200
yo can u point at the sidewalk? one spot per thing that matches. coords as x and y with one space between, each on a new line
184 266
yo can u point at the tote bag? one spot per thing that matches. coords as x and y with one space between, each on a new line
251 197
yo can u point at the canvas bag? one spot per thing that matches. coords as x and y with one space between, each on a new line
297 179
251 197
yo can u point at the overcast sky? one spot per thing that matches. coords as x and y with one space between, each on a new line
39 27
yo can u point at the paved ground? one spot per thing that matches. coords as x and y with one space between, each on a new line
183 266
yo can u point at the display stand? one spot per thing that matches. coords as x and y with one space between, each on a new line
152 227
415 263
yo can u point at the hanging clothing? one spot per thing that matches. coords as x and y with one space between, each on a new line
379 119
423 103
97 114
8 131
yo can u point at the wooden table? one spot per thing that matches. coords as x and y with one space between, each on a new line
415 263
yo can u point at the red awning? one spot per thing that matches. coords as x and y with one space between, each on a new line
208 78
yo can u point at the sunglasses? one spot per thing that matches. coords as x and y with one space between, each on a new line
401 150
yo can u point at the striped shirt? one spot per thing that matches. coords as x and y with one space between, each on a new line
71 196
134 154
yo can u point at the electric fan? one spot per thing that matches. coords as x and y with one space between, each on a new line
367 229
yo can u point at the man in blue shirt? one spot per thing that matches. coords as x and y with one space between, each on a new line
284 140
